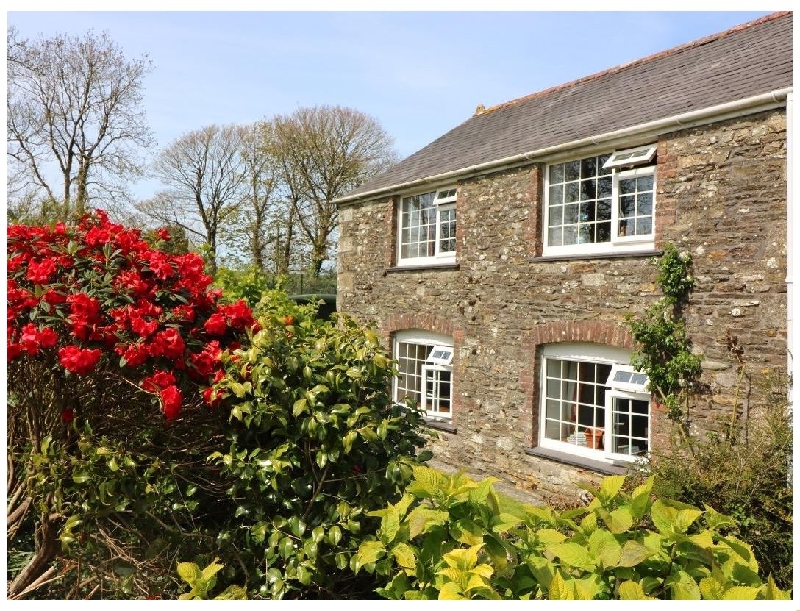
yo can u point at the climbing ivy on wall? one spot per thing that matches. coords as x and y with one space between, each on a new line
664 348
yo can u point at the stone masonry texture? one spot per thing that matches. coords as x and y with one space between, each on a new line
721 195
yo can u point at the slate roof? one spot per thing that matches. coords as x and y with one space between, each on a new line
747 60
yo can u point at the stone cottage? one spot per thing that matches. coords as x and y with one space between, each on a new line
499 262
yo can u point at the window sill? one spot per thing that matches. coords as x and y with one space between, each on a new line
579 461
422 266
440 425
624 254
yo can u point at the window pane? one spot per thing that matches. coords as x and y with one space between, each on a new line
645 183
644 204
627 185
624 229
571 192
644 226
588 189
555 215
572 170
627 206
589 167
586 212
557 173
570 235
604 232
554 236
604 187
556 194
604 210
601 160
570 214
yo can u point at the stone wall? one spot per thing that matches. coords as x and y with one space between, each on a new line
721 196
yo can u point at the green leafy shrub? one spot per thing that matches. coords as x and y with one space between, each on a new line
248 284
743 474
316 444
452 538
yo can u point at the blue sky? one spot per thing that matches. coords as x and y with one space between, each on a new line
418 73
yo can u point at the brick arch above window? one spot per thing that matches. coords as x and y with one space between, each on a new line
424 322
588 331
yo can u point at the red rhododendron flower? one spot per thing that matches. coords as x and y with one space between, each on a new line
158 381
134 354
238 314
170 343
184 313
28 339
78 360
47 337
54 297
67 415
171 399
216 325
142 327
98 236
40 273
163 233
83 307
206 360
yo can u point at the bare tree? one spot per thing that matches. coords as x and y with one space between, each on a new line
75 123
204 174
324 152
259 207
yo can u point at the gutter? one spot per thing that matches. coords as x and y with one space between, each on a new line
766 101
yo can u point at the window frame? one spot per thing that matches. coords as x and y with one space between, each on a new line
444 199
618 359
635 167
432 341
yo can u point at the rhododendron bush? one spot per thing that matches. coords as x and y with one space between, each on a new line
112 345
101 297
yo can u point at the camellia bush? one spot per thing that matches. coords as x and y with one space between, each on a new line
113 346
316 444
451 538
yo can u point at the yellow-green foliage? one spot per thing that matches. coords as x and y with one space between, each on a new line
452 538
202 581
